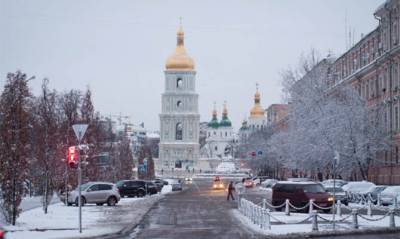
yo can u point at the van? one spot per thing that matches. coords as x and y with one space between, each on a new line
300 193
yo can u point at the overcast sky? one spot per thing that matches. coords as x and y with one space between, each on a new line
119 48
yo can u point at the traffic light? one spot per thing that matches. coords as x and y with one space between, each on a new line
72 157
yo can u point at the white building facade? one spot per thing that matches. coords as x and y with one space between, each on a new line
220 139
179 118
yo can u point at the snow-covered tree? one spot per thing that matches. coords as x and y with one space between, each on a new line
323 121
14 143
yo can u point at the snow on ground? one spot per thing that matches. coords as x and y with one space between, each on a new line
282 229
28 203
166 189
62 221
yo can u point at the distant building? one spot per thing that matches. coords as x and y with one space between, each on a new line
256 121
220 138
277 115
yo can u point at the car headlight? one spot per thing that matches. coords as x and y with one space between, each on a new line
330 199
221 185
214 186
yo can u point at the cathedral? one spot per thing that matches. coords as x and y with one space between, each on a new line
256 121
179 118
220 136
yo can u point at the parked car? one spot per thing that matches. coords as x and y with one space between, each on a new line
337 182
340 194
359 187
2 233
176 184
259 179
160 183
95 192
356 190
300 193
388 195
269 183
132 188
151 188
373 192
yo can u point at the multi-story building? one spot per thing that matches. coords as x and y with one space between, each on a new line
372 66
179 118
277 114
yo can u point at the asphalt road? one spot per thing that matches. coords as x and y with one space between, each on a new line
197 212
200 212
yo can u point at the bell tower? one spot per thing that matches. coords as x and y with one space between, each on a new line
179 118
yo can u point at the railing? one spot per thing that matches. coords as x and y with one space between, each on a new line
261 215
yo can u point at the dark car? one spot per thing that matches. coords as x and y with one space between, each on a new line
300 193
151 188
132 188
160 183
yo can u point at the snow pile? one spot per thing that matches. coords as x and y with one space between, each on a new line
62 221
166 189
226 167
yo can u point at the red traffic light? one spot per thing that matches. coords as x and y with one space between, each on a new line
253 154
72 156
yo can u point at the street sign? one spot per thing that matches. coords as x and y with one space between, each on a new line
259 153
79 130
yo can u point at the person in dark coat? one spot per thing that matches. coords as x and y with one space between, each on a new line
231 188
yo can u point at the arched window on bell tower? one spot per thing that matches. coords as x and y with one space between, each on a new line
179 131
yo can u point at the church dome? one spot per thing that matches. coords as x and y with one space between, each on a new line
257 110
225 122
214 121
179 60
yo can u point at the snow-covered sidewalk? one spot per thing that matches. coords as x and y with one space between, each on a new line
295 223
62 221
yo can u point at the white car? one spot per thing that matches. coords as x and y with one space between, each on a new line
359 187
95 192
388 195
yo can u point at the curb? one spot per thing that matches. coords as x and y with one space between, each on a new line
336 233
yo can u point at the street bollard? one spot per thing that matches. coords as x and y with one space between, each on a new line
339 208
392 223
314 220
369 209
267 219
311 206
395 202
264 203
287 209
354 223
379 203
260 217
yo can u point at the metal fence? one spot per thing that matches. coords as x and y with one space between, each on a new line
261 215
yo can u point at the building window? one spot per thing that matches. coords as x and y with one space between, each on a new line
216 148
179 131
397 154
179 83
209 134
179 104
226 134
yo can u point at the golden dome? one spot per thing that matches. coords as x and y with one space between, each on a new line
179 60
257 110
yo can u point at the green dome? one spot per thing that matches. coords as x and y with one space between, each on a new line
225 122
213 123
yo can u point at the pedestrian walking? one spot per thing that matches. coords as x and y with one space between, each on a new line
231 188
